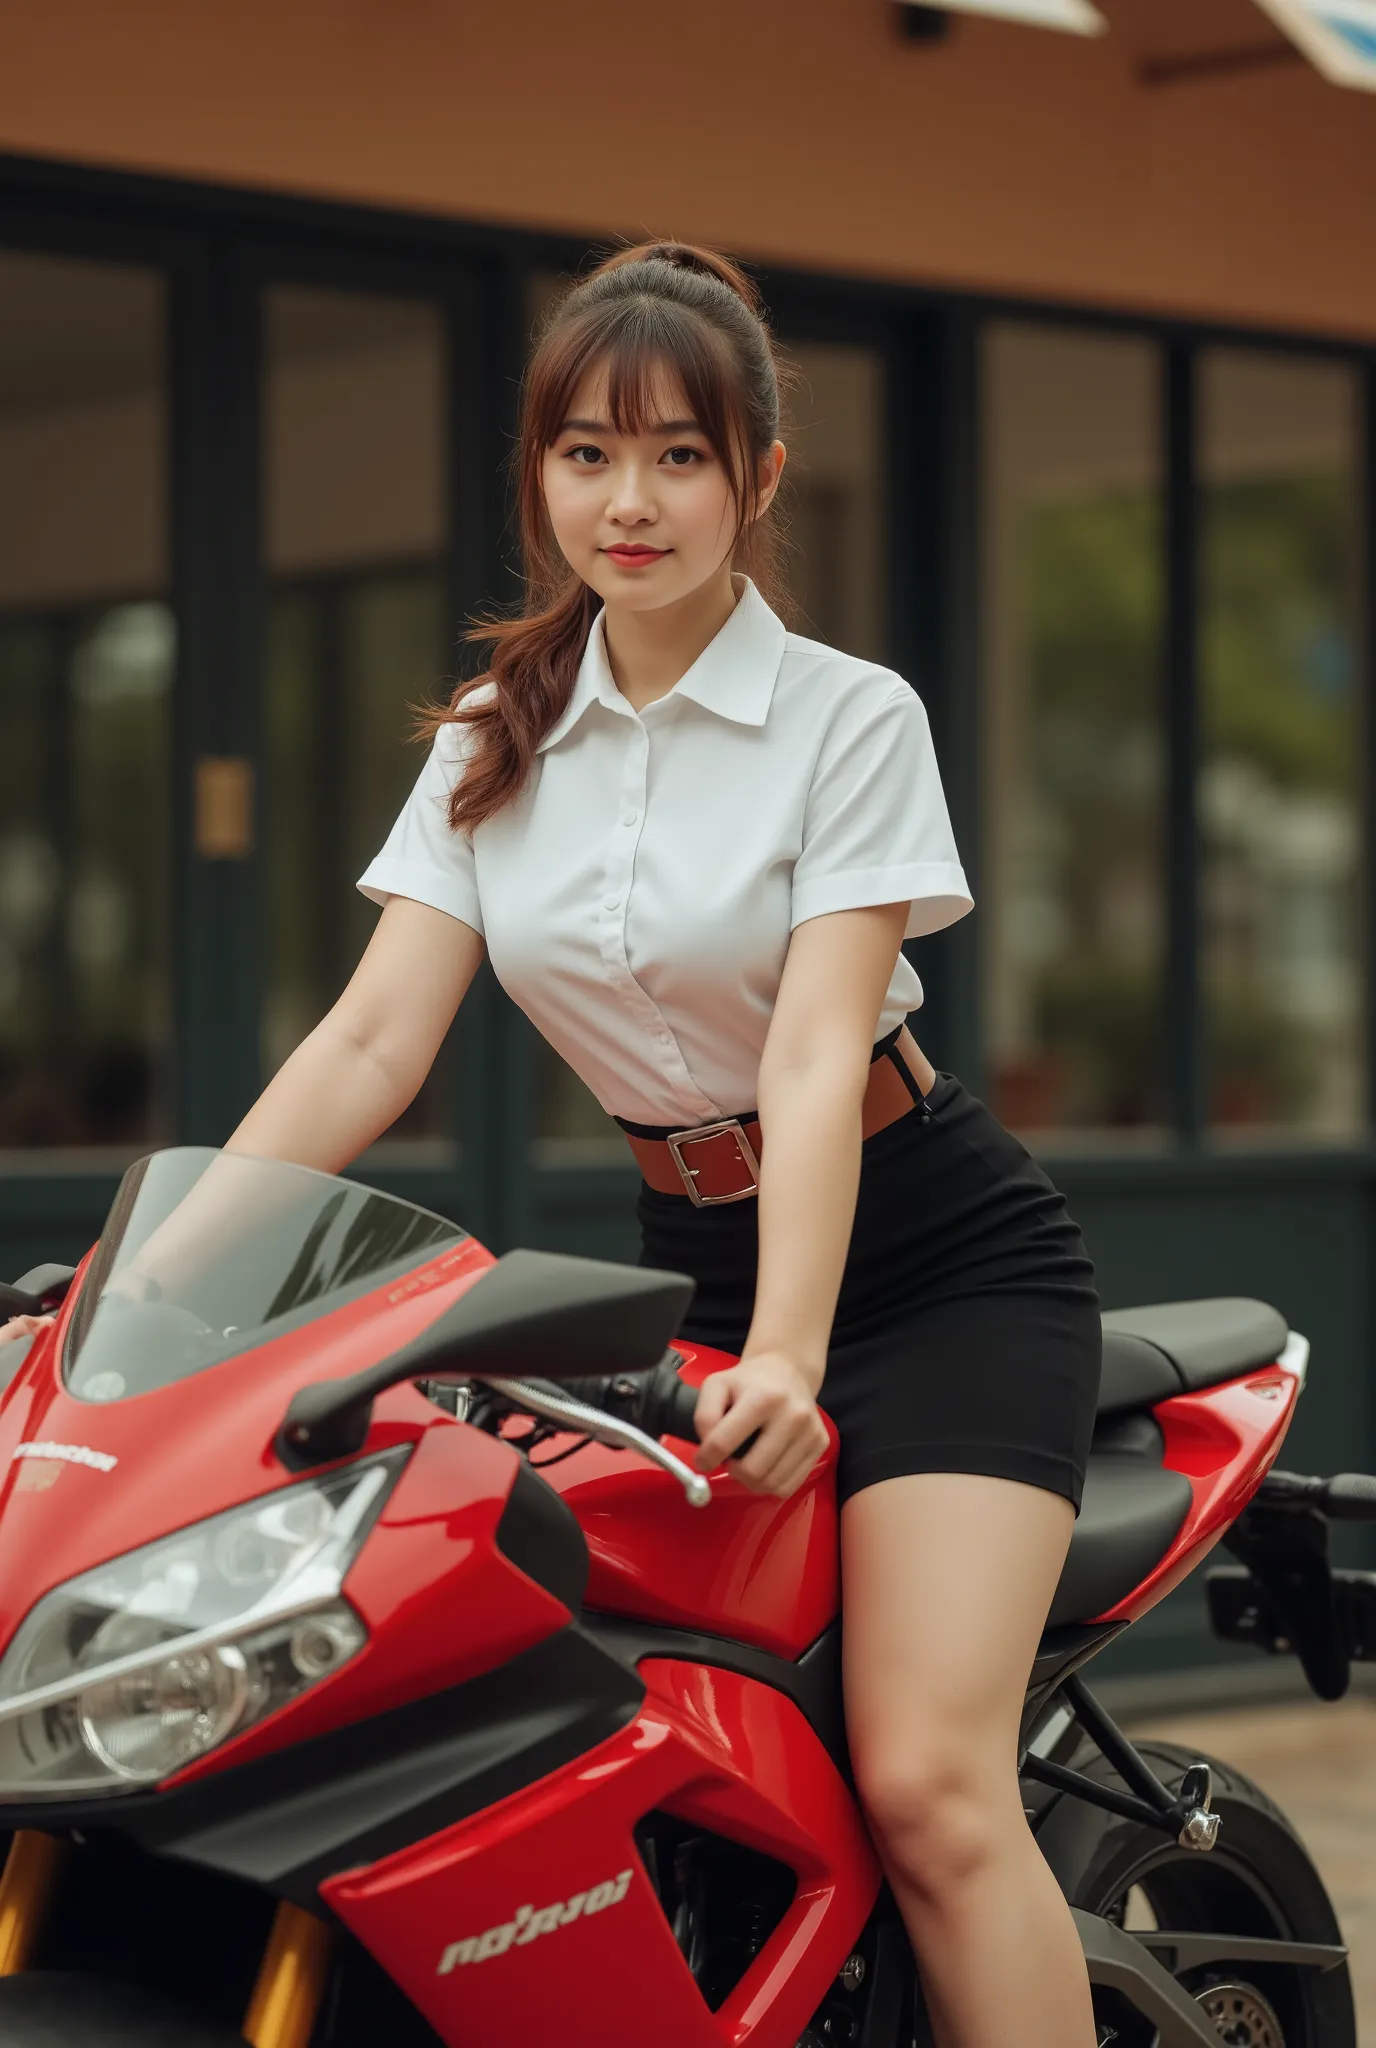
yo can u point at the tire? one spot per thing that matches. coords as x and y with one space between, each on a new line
1259 1880
59 2009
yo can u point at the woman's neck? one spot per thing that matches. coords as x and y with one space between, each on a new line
648 652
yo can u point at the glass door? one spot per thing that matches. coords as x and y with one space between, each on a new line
87 665
359 627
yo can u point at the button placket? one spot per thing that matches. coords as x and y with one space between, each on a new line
624 842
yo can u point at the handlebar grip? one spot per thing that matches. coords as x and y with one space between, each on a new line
669 1406
1349 1497
680 1412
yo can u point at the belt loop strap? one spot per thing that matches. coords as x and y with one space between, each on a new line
908 1078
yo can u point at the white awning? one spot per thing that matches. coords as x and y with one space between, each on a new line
1337 36
1078 16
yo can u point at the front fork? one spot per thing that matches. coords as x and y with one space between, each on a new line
291 1977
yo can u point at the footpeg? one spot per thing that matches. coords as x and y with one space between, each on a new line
1198 1826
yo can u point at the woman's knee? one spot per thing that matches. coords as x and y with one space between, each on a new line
941 1807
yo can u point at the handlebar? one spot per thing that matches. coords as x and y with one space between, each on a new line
1347 1497
657 1401
631 1409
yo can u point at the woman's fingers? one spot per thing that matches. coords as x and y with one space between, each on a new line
741 1411
794 1456
787 1447
714 1396
23 1326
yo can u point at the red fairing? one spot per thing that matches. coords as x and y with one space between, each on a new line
1224 1441
441 1602
536 1922
750 1567
199 1446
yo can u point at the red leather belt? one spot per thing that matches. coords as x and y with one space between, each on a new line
720 1162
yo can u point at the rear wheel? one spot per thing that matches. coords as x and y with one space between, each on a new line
1259 1881
61 2009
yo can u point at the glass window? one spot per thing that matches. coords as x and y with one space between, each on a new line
87 656
355 533
835 520
836 503
1280 774
1073 895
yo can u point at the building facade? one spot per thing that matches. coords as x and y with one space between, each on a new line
1082 444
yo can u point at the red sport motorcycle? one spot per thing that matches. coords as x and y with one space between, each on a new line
374 1674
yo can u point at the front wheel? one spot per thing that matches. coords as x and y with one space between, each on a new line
60 2009
1259 1881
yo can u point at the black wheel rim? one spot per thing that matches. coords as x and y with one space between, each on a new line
1189 1892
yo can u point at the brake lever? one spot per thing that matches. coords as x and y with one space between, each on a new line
595 1422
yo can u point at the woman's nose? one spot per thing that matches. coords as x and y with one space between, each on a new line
631 496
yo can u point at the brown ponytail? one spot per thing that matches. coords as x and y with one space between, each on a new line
659 305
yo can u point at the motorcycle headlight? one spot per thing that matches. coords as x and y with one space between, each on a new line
126 1674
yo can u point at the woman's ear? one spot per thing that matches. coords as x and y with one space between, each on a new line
771 470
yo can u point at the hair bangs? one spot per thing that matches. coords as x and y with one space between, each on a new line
659 363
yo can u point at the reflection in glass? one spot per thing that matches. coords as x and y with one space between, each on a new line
835 520
1073 910
87 656
356 529
207 1253
1279 792
836 512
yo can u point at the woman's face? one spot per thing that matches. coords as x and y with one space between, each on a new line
645 519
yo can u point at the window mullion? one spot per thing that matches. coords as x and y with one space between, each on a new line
1183 994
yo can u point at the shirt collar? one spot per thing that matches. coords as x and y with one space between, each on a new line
734 675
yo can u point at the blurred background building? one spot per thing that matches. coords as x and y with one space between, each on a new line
1083 445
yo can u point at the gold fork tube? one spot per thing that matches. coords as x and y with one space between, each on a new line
30 1873
291 1981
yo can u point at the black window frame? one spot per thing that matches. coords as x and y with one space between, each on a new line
219 246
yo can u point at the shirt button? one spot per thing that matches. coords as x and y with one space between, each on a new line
629 817
610 902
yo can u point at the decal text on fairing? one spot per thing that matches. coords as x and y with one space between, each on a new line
70 1454
528 1923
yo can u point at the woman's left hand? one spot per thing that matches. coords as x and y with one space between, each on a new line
768 1393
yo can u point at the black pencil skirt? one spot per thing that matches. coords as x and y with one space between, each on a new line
967 1335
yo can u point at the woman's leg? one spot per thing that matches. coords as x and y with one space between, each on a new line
947 1579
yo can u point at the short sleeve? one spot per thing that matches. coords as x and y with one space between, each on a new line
876 828
422 858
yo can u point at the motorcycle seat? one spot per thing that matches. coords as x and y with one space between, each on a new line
1131 1513
1182 1347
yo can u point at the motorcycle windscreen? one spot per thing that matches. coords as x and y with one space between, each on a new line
207 1253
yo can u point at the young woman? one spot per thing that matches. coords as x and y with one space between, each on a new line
692 844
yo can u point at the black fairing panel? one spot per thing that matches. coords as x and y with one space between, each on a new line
542 1536
813 1683
288 1821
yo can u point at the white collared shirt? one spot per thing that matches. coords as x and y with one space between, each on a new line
638 896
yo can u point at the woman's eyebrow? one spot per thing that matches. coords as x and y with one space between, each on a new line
602 427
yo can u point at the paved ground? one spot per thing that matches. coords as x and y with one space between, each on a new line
1319 1765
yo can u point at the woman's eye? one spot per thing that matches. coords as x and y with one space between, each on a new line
584 448
693 455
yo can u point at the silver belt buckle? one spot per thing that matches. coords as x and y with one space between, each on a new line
688 1174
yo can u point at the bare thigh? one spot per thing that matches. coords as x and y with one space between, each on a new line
947 1580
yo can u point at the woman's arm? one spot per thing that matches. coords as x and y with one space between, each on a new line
813 1074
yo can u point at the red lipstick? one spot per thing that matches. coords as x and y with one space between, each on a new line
634 557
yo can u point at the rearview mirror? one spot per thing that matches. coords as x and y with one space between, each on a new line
532 1312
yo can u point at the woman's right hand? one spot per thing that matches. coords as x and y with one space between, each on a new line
23 1326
